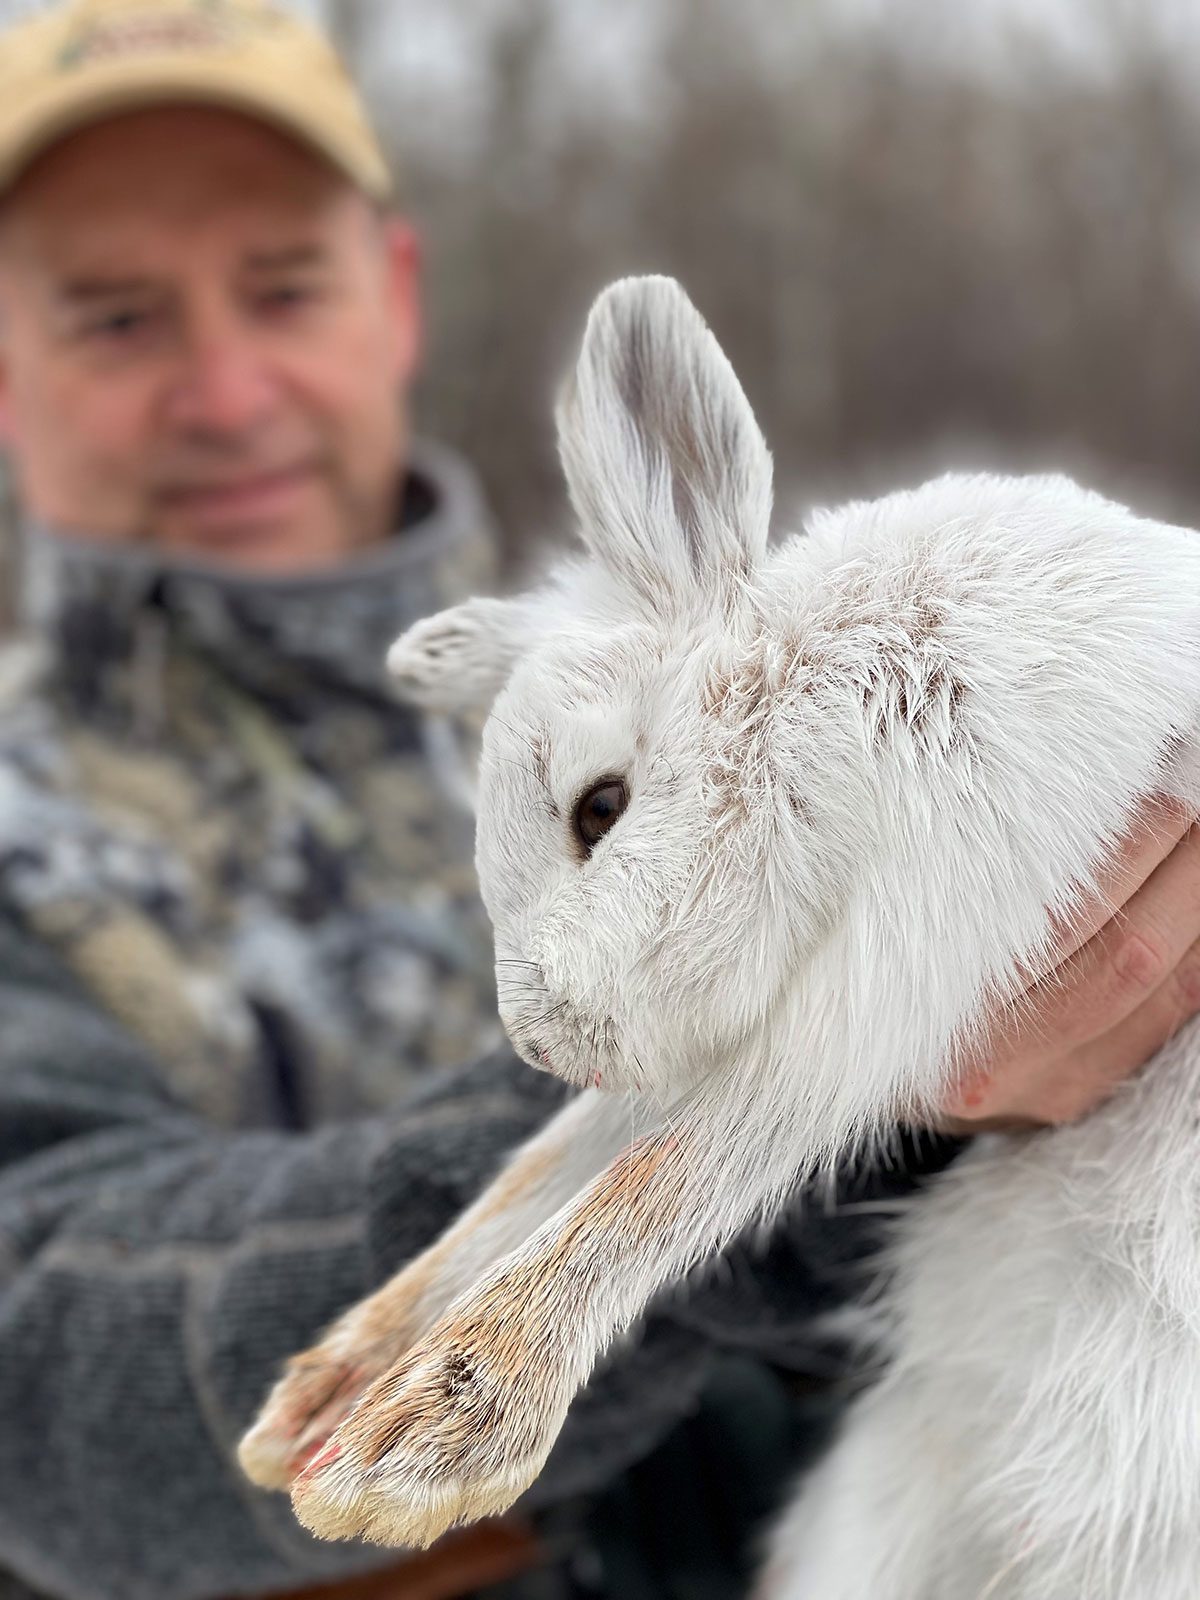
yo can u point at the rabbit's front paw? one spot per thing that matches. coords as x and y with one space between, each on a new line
455 1432
320 1386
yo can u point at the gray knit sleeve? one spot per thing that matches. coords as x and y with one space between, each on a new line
155 1272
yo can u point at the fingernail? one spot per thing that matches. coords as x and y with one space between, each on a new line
971 1093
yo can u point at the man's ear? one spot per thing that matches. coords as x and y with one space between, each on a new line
665 463
460 659
6 419
402 266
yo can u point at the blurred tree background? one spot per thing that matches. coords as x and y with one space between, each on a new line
921 246
922 242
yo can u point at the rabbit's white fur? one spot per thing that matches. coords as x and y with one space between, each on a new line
867 770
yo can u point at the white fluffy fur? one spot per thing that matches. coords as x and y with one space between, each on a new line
864 768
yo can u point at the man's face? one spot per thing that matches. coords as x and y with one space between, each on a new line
206 340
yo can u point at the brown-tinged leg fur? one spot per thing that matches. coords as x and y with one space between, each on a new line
461 1426
321 1386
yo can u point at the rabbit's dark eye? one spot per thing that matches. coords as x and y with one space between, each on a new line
598 810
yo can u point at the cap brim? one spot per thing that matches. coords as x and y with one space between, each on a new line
74 107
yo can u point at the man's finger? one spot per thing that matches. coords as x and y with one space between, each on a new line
1139 1036
1159 823
1135 953
1119 968
1031 1090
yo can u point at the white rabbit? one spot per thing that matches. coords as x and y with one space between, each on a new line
763 834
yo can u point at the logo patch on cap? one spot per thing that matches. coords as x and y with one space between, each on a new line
195 28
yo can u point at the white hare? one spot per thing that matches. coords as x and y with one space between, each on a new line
762 834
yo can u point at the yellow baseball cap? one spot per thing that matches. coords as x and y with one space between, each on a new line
90 59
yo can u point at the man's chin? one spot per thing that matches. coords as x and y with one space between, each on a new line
286 522
267 548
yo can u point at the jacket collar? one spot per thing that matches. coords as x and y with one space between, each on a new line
110 613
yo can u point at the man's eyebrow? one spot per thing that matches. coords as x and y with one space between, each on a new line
93 287
85 289
298 255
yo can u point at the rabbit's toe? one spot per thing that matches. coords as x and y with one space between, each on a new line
301 1412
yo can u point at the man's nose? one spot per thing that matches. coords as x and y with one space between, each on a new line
222 386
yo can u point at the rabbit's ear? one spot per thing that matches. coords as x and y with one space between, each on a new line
665 463
461 658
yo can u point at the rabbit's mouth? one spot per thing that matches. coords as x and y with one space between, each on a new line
558 1035
558 1039
582 1056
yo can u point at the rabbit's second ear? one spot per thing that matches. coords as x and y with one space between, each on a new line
666 465
460 659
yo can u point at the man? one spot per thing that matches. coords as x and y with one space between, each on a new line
238 929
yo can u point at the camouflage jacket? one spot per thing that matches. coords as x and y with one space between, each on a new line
212 808
237 933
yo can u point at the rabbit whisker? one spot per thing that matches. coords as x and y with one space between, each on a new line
520 765
545 1016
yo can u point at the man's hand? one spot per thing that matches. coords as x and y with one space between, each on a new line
1127 976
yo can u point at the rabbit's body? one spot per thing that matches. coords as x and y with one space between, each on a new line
1036 1435
763 834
